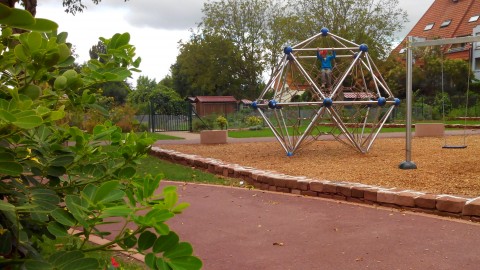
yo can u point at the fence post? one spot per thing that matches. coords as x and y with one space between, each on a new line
152 116
190 112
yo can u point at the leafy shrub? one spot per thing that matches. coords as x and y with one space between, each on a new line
253 121
49 185
221 122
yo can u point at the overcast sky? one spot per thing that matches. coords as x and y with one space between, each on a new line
155 26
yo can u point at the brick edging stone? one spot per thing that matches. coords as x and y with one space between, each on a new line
467 208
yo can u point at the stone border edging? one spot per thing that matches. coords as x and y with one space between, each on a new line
467 208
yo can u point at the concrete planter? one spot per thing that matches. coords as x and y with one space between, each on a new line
429 130
213 136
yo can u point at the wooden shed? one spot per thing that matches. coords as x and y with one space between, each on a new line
222 105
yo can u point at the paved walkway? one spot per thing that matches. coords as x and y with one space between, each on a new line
236 228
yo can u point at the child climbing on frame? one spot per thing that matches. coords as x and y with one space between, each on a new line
326 66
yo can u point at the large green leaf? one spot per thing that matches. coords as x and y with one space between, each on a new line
165 242
10 168
18 18
127 172
146 240
161 264
170 198
178 209
5 206
159 215
121 40
74 205
181 250
82 264
6 116
56 171
62 160
22 53
6 156
57 229
187 262
41 25
46 199
63 217
116 211
105 190
28 122
150 260
34 41
130 241
60 259
32 91
4 11
37 265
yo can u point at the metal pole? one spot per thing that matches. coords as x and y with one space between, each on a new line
408 164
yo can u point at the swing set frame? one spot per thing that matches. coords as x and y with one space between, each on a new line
411 43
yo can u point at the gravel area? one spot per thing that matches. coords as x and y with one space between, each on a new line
440 171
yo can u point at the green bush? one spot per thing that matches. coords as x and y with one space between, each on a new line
253 121
221 122
56 177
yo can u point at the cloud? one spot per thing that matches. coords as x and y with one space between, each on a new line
415 11
165 14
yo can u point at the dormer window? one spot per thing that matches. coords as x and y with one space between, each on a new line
474 18
429 27
445 23
402 51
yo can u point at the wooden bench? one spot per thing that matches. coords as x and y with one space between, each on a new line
429 130
213 136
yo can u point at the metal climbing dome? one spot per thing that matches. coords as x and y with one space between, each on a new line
298 109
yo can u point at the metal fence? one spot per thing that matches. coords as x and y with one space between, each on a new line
177 119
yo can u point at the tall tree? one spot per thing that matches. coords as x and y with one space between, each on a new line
208 65
71 6
150 95
371 22
247 24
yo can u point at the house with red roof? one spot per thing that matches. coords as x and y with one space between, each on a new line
450 19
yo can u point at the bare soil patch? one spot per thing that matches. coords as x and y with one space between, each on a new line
440 171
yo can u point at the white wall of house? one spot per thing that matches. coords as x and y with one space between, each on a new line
476 53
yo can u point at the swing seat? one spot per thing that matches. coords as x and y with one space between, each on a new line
454 146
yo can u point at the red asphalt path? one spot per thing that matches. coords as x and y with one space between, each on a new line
236 228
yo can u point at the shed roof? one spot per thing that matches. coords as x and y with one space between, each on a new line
216 99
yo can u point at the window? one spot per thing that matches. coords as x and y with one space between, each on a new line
476 44
477 63
474 18
429 26
445 23
402 50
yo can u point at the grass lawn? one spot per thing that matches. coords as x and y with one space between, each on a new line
160 136
266 132
174 172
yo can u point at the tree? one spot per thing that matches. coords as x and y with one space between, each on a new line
71 6
57 181
248 25
97 50
150 95
208 65
371 22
